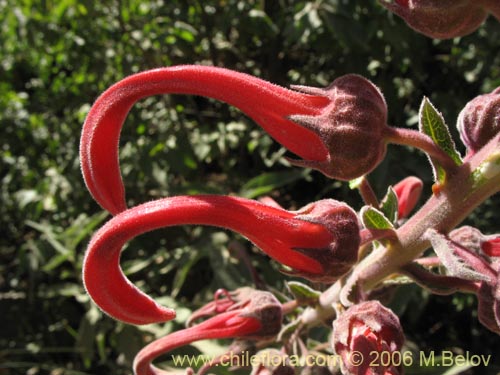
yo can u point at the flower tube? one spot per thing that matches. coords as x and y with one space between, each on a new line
319 242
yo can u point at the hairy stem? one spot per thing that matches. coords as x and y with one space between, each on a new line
414 138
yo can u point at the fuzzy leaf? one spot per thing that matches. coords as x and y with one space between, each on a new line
458 266
289 329
303 292
432 123
374 219
389 205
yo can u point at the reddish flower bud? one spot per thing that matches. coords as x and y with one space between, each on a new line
223 301
260 318
441 19
408 192
363 329
352 127
472 238
479 121
319 242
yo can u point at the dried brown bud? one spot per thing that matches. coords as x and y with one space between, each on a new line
479 121
360 331
351 127
441 19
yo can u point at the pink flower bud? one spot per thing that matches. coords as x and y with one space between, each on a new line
441 19
351 127
408 192
479 121
363 329
472 238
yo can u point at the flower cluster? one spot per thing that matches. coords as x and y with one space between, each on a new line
342 132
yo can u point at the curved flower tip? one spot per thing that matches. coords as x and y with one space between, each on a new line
337 130
440 19
351 127
260 318
361 331
319 242
268 104
479 121
408 192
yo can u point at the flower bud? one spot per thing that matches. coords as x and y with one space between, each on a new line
472 239
363 329
479 121
341 253
408 192
266 309
441 19
488 296
351 127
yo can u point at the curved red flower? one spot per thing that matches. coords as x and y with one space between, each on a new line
259 318
319 242
268 104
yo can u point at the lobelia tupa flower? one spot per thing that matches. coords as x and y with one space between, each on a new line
440 19
362 330
479 121
337 130
257 318
319 242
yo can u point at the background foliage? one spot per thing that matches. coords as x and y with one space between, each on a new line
58 56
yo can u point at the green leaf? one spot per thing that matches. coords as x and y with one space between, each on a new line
289 329
267 182
432 123
389 205
303 292
374 219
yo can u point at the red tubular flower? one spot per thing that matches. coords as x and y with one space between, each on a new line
408 192
223 301
363 329
337 130
259 318
319 242
268 104
441 19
